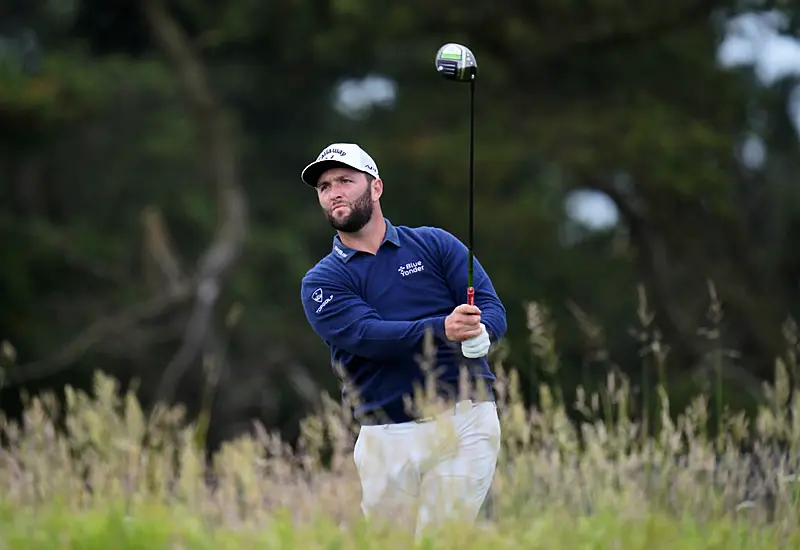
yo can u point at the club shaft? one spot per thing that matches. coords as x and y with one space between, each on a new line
471 238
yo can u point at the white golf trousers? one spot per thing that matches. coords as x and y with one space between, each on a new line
417 474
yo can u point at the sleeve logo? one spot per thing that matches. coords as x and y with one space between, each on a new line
317 295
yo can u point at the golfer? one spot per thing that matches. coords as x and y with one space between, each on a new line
373 300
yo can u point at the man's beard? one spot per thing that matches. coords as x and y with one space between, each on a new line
360 214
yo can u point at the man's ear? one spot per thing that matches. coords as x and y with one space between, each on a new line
377 188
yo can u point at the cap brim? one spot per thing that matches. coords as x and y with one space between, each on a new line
313 171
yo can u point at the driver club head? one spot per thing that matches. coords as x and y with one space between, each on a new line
456 62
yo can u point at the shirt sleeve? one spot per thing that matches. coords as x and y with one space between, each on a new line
455 258
342 318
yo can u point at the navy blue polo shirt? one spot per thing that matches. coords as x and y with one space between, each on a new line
373 312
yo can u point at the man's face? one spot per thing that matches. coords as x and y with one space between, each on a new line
346 198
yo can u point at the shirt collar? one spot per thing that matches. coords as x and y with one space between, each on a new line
345 253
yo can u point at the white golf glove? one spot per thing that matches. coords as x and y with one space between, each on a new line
477 346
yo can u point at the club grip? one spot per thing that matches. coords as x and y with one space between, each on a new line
471 296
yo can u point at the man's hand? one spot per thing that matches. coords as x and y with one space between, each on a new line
464 323
478 346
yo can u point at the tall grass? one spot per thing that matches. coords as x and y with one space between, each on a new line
99 472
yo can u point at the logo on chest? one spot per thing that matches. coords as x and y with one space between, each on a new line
410 268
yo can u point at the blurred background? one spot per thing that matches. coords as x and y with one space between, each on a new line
637 175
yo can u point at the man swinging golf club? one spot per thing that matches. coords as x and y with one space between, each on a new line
372 299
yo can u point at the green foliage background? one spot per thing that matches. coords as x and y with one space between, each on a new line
627 99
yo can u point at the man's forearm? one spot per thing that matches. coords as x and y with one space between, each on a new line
381 339
495 321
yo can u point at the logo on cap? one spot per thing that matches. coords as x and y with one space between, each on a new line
329 153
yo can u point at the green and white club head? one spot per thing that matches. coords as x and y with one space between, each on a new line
456 62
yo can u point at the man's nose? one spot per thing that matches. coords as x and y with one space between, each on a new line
335 193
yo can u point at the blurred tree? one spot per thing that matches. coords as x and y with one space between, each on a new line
107 195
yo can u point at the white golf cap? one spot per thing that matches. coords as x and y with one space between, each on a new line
348 154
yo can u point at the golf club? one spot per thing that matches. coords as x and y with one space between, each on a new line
456 62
